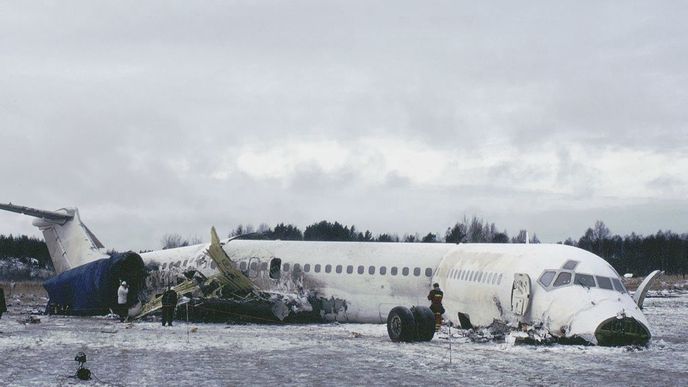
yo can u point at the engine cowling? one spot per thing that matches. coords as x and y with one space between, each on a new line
91 289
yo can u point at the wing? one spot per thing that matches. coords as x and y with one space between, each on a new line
236 281
229 281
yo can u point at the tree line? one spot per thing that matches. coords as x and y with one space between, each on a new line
25 248
632 253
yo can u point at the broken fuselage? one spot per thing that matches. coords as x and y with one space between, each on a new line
559 290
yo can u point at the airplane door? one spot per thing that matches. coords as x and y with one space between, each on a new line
520 294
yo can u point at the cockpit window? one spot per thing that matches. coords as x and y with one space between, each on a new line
547 277
604 282
570 265
584 280
618 286
564 278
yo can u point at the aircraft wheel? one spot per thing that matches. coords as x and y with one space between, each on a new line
425 323
401 326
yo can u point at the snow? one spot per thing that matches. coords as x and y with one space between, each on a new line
145 353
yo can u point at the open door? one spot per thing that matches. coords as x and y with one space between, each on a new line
520 294
641 292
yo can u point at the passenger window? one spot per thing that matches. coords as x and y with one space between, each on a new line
383 270
284 268
275 265
494 279
254 266
564 278
473 275
405 271
371 270
547 277
349 269
317 268
489 278
604 283
307 267
461 274
185 262
179 263
212 265
264 266
242 266
328 268
394 270
428 272
416 272
618 286
297 267
570 265
164 265
584 280
361 269
339 269
480 276
499 281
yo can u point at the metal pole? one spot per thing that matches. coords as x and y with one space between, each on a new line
450 346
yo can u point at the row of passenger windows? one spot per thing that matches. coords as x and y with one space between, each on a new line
564 278
174 264
317 268
360 269
489 278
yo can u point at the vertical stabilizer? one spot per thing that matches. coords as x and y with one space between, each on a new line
69 241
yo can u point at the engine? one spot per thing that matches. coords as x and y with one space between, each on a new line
91 289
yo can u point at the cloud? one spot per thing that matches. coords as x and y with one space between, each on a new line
164 117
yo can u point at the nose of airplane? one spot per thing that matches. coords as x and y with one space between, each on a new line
622 330
611 322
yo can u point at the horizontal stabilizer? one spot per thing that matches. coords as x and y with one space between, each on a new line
49 215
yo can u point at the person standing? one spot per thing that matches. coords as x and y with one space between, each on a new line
3 306
435 297
122 293
169 303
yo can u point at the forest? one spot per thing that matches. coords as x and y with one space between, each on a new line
634 253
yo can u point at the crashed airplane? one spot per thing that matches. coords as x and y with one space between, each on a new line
560 292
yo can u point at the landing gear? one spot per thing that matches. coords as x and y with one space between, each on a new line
407 325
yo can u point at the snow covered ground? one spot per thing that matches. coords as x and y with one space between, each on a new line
145 353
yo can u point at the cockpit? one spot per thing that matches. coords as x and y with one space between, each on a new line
567 276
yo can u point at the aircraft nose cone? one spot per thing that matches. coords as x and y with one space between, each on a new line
622 330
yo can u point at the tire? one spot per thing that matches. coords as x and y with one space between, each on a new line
401 325
425 323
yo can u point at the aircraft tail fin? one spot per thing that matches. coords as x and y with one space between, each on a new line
69 241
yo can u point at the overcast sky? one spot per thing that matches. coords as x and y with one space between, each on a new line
399 117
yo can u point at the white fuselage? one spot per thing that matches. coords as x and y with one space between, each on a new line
369 279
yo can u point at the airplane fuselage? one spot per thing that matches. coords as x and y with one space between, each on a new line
569 292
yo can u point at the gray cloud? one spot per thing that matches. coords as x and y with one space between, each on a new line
524 114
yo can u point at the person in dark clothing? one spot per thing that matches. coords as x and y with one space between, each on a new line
169 303
3 306
435 297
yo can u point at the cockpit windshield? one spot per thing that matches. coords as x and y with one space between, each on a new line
552 279
584 280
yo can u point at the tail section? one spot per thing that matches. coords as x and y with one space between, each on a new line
69 241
